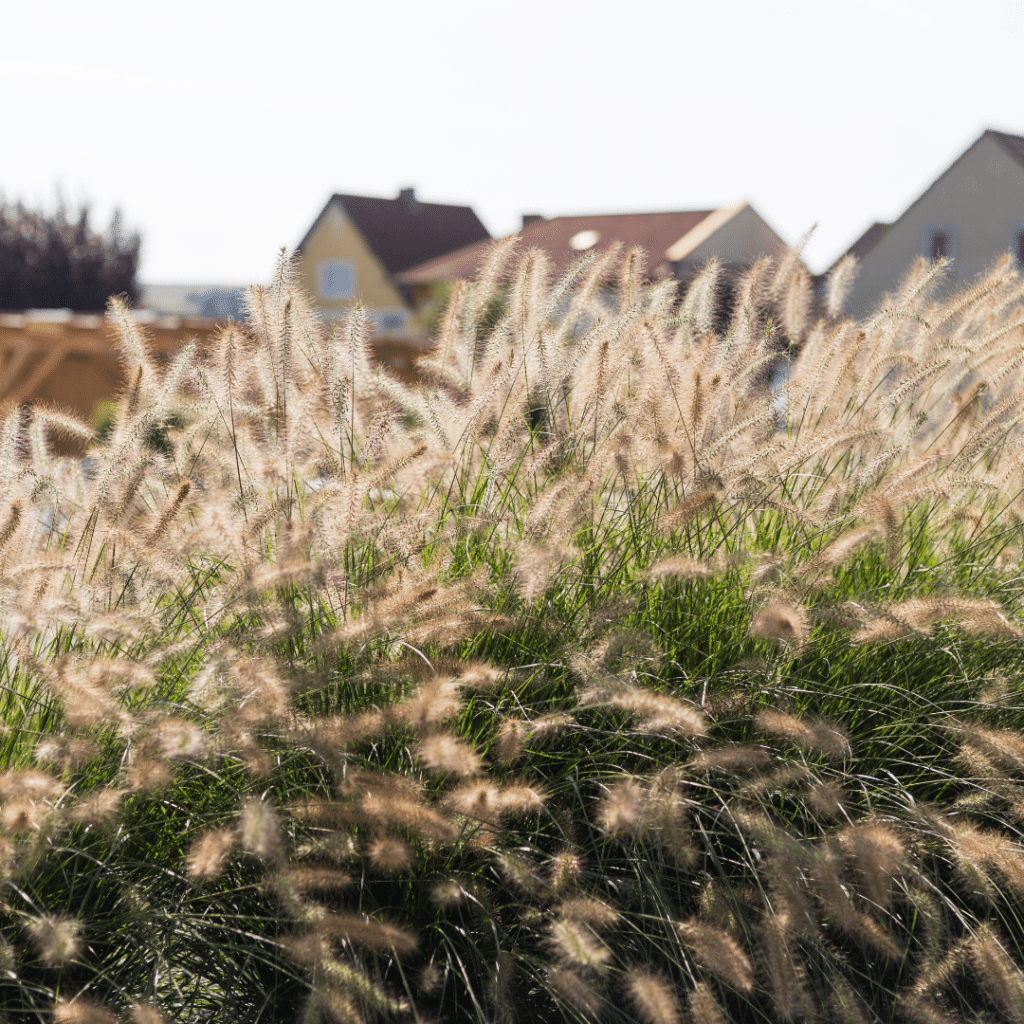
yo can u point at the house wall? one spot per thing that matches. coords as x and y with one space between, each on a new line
336 239
739 241
981 197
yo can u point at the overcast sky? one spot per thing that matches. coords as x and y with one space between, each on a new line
221 129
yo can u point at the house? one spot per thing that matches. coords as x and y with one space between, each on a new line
358 246
973 213
677 244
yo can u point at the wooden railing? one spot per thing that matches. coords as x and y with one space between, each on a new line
70 361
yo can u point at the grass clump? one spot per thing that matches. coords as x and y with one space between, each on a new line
594 679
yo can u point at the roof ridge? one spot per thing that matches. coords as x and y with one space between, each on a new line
1012 145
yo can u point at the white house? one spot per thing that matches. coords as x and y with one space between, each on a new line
973 213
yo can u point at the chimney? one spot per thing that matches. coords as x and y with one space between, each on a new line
531 218
408 197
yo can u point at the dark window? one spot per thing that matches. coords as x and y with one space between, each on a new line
1018 245
939 245
391 322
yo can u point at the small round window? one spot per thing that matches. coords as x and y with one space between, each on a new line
584 240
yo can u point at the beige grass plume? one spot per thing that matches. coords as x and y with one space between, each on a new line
817 736
652 997
785 622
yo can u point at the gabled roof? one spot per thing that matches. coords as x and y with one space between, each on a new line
868 239
567 238
863 245
1013 144
404 232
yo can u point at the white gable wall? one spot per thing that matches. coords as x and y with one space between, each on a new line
981 197
740 240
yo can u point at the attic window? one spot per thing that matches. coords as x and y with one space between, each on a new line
584 240
1017 243
939 242
939 245
337 280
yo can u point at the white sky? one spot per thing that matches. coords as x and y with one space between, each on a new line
221 128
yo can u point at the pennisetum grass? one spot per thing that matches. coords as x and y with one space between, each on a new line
647 662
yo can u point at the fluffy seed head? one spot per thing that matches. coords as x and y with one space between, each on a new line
144 1013
81 1011
446 755
98 807
179 739
208 854
57 940
578 992
787 623
817 736
388 855
704 1007
717 951
259 831
621 807
577 945
652 997
1001 978
508 744
679 567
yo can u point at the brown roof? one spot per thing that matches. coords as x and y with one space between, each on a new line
654 232
404 232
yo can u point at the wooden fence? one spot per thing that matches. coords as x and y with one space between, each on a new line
70 361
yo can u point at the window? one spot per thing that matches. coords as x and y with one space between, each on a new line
337 280
939 245
390 319
939 242
1017 243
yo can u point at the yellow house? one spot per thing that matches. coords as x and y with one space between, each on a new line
358 244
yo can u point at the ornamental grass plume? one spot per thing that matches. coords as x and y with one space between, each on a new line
332 696
208 855
718 952
653 998
57 940
81 1010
